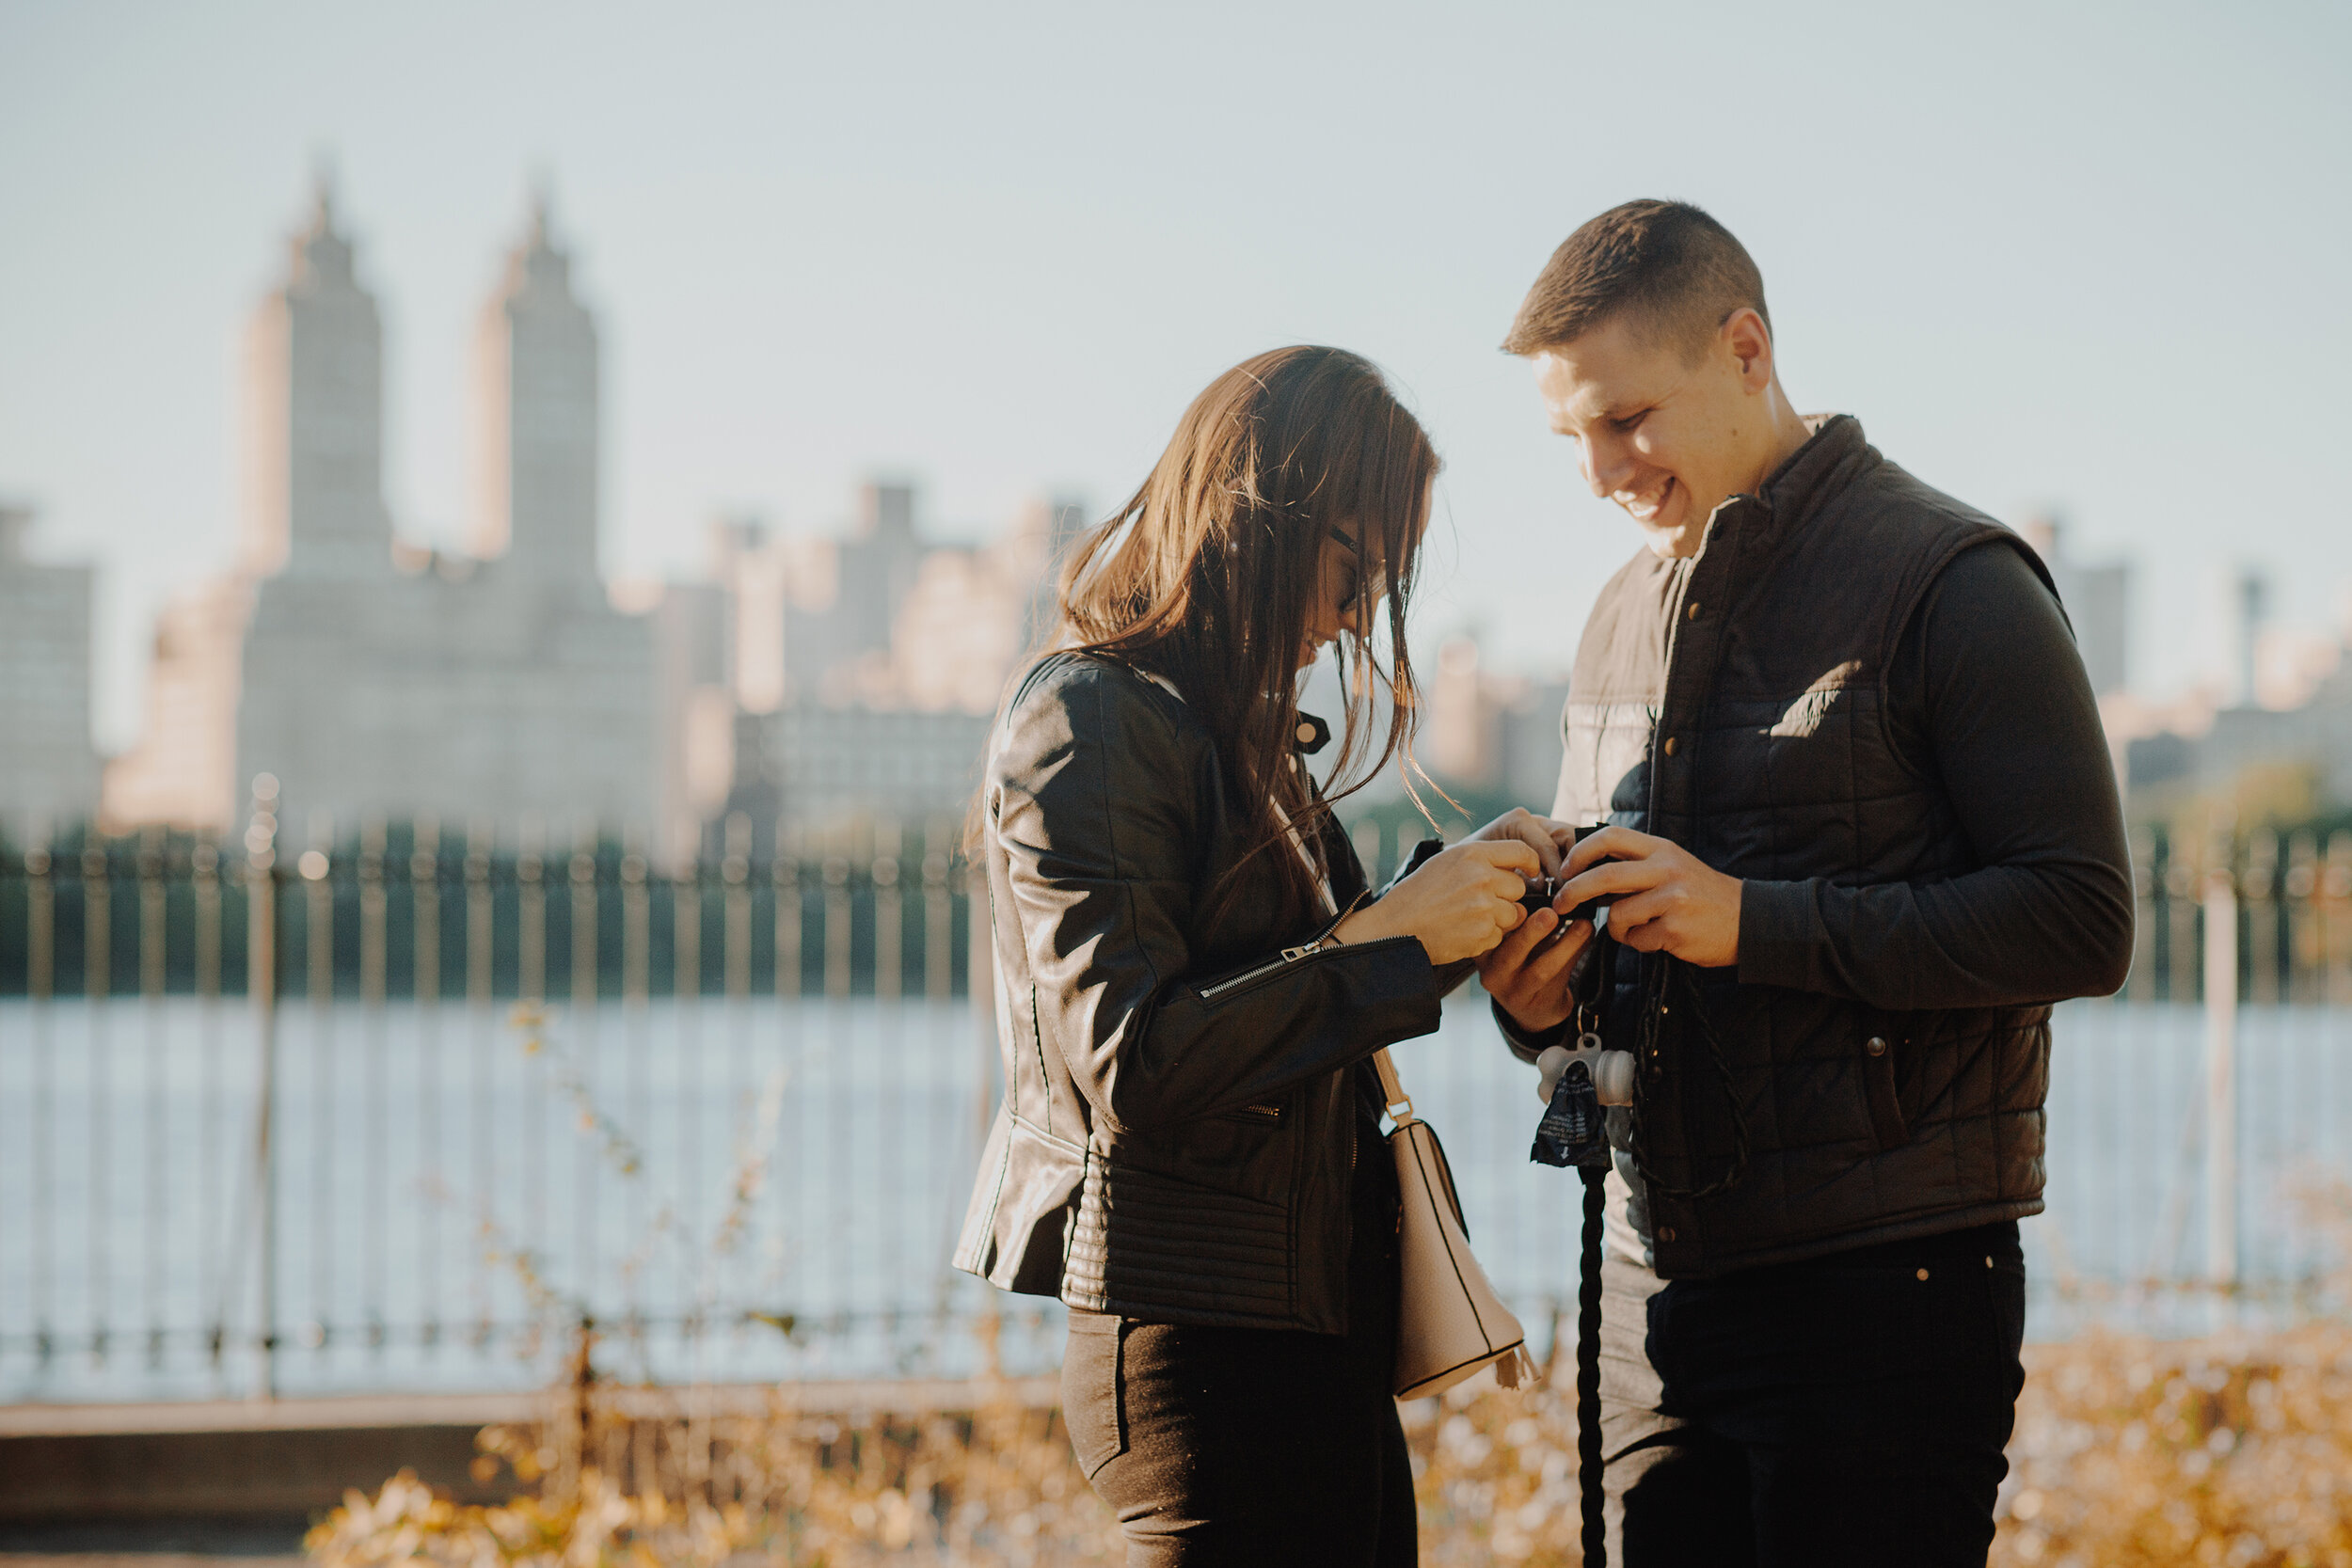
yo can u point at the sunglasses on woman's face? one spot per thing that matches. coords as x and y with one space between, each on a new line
1355 593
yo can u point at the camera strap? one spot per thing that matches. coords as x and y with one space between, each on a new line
1574 1134
1588 987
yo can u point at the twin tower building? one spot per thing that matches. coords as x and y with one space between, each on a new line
805 678
372 678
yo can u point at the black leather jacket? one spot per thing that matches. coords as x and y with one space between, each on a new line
1180 1123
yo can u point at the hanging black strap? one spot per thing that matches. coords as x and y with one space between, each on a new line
1588 985
1588 1372
1572 1134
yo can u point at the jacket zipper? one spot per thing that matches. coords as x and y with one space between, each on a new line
1288 955
1322 941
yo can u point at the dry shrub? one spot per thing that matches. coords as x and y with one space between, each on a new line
993 1487
2231 1451
2226 1451
1495 1474
631 1476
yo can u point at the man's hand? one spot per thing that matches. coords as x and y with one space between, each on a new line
1666 901
1528 972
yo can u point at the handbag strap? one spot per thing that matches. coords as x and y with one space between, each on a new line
1400 1105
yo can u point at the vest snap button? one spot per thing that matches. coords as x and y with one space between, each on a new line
1666 1233
1875 1045
1670 745
1923 1275
1693 613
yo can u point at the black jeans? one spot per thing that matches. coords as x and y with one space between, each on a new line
1247 1445
1849 1409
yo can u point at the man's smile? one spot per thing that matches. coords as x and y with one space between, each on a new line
1645 505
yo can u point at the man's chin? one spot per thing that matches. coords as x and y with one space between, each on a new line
1670 541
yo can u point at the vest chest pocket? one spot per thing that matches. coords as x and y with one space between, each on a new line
1812 750
1802 718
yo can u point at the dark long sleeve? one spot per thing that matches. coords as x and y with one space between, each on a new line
1095 820
2002 713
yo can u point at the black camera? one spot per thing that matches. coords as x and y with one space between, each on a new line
1541 891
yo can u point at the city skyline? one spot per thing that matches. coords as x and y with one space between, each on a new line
2081 259
413 693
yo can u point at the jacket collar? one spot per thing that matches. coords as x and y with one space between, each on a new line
1808 477
1805 479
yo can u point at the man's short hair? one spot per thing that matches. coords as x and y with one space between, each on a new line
1666 262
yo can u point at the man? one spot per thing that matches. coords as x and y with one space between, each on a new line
1863 832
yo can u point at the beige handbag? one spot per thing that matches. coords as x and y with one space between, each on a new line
1449 1322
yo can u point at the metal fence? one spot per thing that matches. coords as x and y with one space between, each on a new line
383 1112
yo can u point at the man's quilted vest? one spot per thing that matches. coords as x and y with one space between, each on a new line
1735 703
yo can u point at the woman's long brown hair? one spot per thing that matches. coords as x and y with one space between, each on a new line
1210 573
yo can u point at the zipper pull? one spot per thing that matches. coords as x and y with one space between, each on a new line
1328 936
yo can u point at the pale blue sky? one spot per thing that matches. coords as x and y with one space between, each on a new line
2088 256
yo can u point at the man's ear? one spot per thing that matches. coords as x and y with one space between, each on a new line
1750 342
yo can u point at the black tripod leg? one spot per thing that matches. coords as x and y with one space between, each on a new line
1588 1373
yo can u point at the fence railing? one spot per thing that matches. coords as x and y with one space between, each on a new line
417 913
410 914
380 1111
2292 896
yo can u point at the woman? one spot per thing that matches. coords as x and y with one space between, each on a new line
1192 978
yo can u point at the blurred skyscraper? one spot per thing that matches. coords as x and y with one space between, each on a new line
48 771
2098 604
537 398
378 680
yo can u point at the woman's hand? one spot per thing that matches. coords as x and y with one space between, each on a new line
1550 840
1460 904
